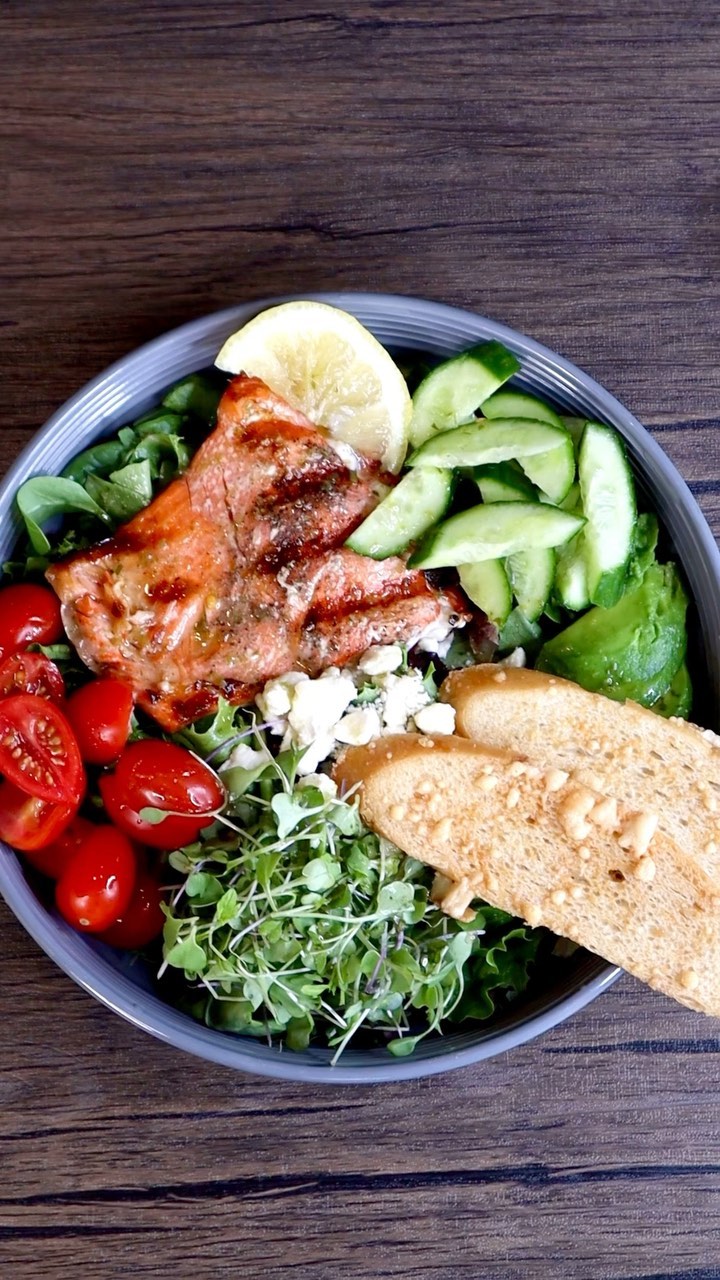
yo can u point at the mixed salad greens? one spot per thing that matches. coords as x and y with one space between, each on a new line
281 914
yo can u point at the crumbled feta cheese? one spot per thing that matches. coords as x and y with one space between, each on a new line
515 659
323 783
276 698
317 705
403 696
381 660
358 727
439 718
245 757
314 754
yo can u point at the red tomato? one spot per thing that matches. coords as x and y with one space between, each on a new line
100 714
98 881
52 859
29 614
31 673
142 920
38 751
28 823
160 775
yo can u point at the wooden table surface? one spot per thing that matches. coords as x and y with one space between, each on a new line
554 166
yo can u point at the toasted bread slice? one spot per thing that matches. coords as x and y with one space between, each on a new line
540 844
667 767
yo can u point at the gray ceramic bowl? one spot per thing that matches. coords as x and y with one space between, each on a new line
134 385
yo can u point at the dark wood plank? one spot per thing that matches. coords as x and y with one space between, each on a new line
551 166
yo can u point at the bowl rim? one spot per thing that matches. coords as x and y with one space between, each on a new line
86 966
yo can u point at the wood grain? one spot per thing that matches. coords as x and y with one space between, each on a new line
555 167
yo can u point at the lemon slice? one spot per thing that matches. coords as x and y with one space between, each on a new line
325 363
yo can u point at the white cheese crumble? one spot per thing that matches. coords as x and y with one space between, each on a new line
313 754
358 727
402 697
275 700
352 706
317 705
515 659
381 660
245 757
438 718
322 781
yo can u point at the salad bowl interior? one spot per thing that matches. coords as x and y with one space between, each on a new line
132 386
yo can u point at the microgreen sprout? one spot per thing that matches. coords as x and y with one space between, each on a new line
295 921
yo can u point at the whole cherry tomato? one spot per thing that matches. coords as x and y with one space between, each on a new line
29 823
143 918
38 751
29 614
98 882
52 859
31 673
100 713
160 775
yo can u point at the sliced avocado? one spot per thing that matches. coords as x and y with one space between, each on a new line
631 650
678 699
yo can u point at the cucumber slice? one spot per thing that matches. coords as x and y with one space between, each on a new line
493 531
532 574
502 482
477 443
509 403
415 504
572 500
571 581
571 584
554 471
608 498
451 393
487 585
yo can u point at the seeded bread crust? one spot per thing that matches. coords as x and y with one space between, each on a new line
544 846
666 767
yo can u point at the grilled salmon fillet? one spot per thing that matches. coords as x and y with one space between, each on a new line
237 571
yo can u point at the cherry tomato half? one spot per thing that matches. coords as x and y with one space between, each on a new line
52 859
142 920
38 751
100 714
31 673
160 775
29 823
29 614
98 882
